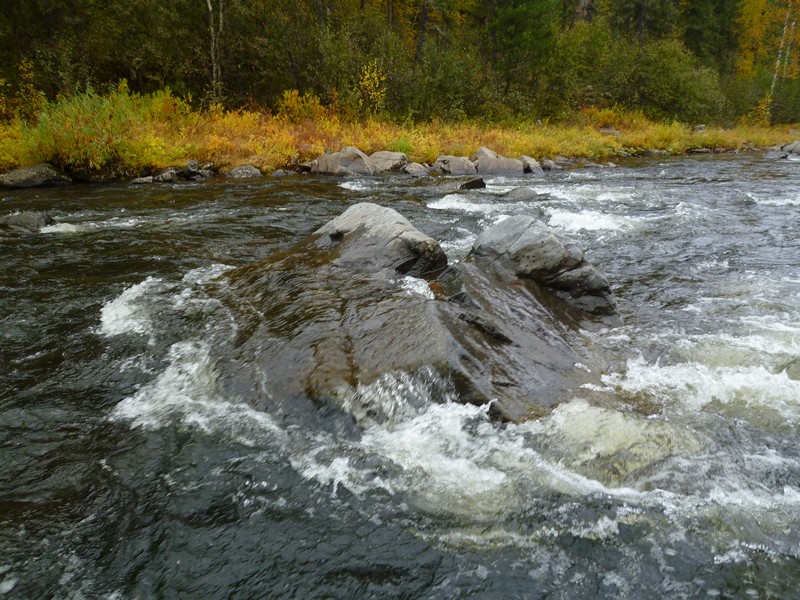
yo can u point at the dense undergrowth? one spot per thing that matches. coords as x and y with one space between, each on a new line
123 133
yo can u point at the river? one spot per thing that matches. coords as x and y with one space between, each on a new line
126 471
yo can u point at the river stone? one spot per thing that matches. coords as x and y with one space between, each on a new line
416 170
792 369
348 161
24 222
534 251
40 175
389 161
454 165
385 240
142 180
329 316
792 148
526 194
244 172
490 163
473 184
549 165
531 165
169 175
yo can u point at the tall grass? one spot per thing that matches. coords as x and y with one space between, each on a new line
121 133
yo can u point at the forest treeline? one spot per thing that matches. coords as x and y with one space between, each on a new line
415 60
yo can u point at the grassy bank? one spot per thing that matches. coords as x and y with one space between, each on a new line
123 134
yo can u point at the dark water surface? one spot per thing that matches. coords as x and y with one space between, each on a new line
125 471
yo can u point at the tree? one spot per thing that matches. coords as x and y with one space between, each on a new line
642 18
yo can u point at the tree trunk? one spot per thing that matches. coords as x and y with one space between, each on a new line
780 52
423 26
215 28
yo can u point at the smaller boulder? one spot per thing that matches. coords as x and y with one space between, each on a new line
142 180
166 176
454 165
526 194
533 251
490 163
25 222
530 165
416 170
549 165
779 154
348 161
386 161
473 184
372 238
41 175
244 172
792 369
793 148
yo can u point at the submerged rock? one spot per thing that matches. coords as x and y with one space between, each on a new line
337 311
41 175
473 184
25 222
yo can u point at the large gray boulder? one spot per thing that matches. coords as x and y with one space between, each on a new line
334 313
41 175
25 222
454 165
348 161
533 251
386 161
488 162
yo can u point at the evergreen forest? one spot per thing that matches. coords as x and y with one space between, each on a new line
413 61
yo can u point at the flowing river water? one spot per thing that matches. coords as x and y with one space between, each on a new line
127 472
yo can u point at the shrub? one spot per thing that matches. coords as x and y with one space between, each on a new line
91 132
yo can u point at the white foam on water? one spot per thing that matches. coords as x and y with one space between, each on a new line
415 286
113 223
128 312
589 220
460 246
61 228
780 202
204 275
357 185
693 386
186 393
462 203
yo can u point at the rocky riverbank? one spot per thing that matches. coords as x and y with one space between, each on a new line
351 161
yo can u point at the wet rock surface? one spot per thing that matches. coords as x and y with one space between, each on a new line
26 222
42 175
334 312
